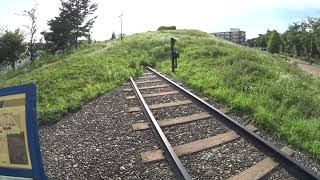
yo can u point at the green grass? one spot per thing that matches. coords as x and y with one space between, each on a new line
276 95
66 82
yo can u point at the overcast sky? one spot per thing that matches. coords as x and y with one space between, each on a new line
252 16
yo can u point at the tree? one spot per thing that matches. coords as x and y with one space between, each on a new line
2 29
310 27
317 37
274 42
31 14
284 44
79 17
12 47
305 36
262 40
89 39
293 38
300 39
59 36
74 21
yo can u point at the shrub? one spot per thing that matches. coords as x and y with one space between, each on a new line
166 28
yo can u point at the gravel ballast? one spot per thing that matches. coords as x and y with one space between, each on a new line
220 162
98 141
299 156
223 161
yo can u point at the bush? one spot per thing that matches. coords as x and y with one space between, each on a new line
160 53
167 28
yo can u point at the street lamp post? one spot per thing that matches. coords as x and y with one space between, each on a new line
285 48
309 29
310 55
121 36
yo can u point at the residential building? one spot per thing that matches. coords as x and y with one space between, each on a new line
234 35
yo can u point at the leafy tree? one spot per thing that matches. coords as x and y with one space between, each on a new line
31 14
293 38
274 42
32 30
59 36
306 40
2 30
12 47
300 39
311 25
74 21
284 42
262 40
317 37
78 13
252 42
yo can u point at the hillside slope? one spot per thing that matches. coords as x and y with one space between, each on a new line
277 95
65 82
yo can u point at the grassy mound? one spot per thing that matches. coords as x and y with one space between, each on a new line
277 95
65 82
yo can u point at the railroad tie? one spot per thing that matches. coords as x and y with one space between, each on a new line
146 77
294 168
262 168
159 94
174 121
154 94
149 87
151 81
205 99
224 110
193 147
163 105
141 82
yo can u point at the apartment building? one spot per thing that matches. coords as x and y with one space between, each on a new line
234 35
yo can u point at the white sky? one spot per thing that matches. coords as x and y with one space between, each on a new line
253 16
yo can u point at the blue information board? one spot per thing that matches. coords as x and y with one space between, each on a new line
20 155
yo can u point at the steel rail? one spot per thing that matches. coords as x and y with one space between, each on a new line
169 152
292 166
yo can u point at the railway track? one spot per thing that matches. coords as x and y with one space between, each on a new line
186 125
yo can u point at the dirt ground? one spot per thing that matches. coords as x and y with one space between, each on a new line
313 69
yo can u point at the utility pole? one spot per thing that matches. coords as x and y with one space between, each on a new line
310 55
286 48
309 29
121 35
174 54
